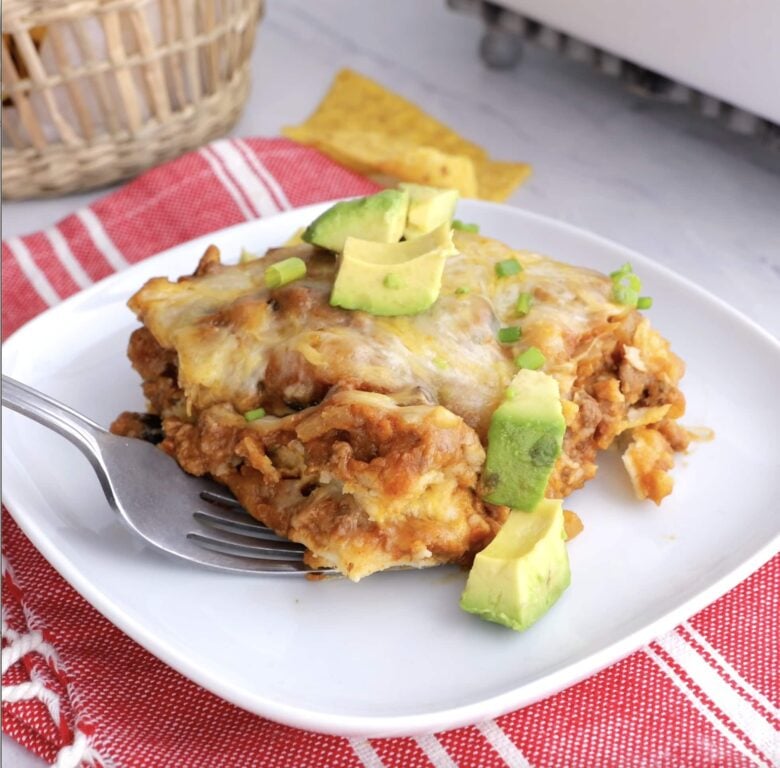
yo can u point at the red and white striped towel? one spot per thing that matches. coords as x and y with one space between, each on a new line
77 691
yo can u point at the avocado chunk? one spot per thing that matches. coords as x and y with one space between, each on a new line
392 278
516 579
524 441
429 207
380 217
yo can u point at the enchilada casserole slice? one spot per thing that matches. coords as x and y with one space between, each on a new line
373 443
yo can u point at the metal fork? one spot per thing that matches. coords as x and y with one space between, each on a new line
159 501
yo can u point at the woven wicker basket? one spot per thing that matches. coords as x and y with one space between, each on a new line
97 90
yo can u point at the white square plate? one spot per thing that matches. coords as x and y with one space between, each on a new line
394 654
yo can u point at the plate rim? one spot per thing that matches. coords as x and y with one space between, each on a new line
389 725
512 210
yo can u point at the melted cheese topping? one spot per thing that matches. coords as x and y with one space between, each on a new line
227 330
374 441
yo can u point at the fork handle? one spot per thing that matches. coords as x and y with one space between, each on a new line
80 430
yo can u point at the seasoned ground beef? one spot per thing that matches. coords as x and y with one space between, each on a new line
375 437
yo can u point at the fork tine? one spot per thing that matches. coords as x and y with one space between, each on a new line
287 564
216 558
225 534
235 533
222 498
233 516
233 544
238 523
123 460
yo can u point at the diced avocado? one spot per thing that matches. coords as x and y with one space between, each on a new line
392 278
524 440
429 207
516 579
380 218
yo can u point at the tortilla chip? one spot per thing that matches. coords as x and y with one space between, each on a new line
427 165
367 107
359 150
497 180
393 160
378 133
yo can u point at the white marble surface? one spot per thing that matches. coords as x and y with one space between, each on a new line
656 178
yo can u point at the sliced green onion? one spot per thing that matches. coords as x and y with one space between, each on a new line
632 281
623 294
254 415
462 290
440 363
392 280
626 269
644 302
285 272
508 267
524 303
510 334
464 227
626 286
532 358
